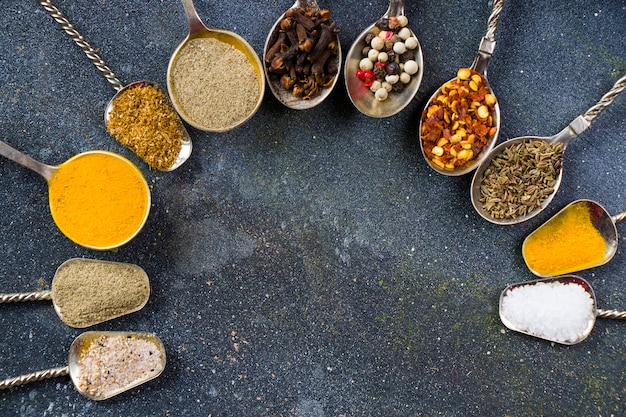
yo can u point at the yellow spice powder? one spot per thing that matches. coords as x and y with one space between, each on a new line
99 199
567 243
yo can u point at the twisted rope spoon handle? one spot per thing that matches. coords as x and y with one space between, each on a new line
492 23
80 41
611 314
26 296
606 100
35 376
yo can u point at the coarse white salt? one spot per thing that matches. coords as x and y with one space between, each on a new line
562 312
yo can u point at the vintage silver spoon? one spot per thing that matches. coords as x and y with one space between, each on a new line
282 94
559 309
197 29
56 199
601 220
481 61
90 303
185 149
360 95
111 376
478 193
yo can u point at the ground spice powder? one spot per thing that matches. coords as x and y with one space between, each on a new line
215 84
98 199
567 243
87 292
112 364
142 119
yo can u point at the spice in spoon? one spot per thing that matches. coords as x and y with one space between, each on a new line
115 362
142 119
99 199
459 121
520 178
388 57
567 243
303 57
215 85
87 292
558 311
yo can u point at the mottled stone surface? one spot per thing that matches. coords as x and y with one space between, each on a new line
310 263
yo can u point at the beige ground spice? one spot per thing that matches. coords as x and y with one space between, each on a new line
215 84
86 292
111 364
142 119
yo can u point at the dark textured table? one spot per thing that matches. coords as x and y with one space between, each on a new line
310 263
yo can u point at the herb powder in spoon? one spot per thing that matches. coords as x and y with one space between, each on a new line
87 292
215 84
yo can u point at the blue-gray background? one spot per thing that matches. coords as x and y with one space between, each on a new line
310 263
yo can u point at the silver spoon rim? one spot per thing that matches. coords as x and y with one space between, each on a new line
281 94
366 103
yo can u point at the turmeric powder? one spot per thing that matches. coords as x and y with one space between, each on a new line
567 243
99 199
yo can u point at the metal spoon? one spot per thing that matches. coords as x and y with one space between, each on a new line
185 150
197 29
540 308
282 94
49 172
363 99
600 219
565 136
481 61
78 367
90 302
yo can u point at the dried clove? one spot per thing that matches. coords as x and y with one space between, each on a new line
304 56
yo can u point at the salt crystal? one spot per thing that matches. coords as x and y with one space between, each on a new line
562 312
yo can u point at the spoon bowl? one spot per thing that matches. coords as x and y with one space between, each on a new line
360 95
558 309
97 229
554 234
282 94
86 292
198 30
104 364
478 192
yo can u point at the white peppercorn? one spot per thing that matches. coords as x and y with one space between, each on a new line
411 43
405 33
365 64
399 47
381 94
410 67
378 43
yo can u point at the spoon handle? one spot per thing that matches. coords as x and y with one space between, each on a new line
35 376
619 217
488 43
396 8
80 41
606 100
611 314
26 296
14 155
193 20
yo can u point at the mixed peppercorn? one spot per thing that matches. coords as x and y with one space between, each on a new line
388 61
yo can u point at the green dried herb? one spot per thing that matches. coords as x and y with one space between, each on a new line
519 179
